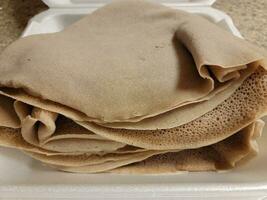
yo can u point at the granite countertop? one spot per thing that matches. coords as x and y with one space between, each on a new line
250 17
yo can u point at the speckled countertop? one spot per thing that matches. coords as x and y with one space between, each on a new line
250 17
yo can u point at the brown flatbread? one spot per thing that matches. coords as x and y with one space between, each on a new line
223 155
220 156
247 104
135 86
146 46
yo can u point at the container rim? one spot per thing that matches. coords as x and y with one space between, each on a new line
99 3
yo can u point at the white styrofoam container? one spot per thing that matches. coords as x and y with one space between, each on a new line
24 178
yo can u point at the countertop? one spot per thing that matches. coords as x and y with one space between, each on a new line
250 17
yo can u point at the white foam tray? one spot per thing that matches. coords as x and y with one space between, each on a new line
23 178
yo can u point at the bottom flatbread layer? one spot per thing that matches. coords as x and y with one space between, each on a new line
220 156
224 155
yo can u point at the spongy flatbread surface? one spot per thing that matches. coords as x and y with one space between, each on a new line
120 110
247 104
184 114
113 160
12 138
220 156
49 131
137 43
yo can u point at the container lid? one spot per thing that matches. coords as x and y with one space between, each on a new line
98 3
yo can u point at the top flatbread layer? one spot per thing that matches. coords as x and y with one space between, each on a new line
117 66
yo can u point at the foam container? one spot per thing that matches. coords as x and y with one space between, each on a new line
24 178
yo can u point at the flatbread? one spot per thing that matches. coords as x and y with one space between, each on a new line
134 84
220 156
247 104
85 160
184 114
146 46
12 138
8 116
